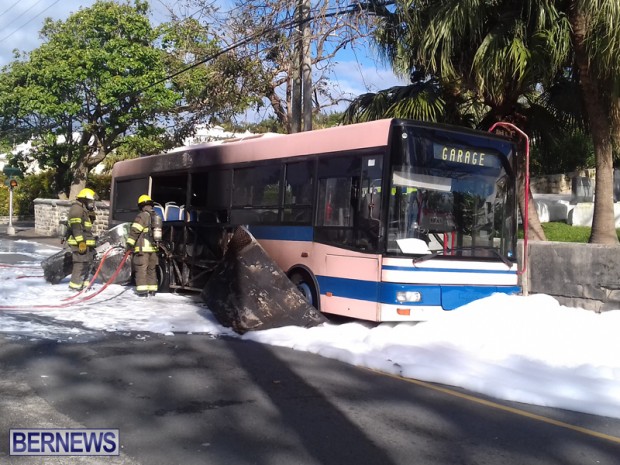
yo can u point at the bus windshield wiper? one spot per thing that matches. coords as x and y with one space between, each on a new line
503 258
427 257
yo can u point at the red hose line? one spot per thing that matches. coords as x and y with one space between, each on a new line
68 304
94 276
111 280
21 267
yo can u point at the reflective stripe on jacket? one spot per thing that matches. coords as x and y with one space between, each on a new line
140 237
81 225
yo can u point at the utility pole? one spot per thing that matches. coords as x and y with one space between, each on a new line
301 97
306 67
296 77
10 230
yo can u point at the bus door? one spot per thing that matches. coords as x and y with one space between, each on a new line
371 200
352 288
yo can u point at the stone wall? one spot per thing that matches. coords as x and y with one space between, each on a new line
48 212
551 184
577 275
560 183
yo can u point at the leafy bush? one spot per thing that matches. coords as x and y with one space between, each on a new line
569 154
4 198
101 184
40 186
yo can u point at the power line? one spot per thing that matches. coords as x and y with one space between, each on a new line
26 10
352 8
10 8
30 20
294 22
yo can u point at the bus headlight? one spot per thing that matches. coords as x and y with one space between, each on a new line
408 296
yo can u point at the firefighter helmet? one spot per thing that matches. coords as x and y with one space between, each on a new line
88 194
87 198
144 200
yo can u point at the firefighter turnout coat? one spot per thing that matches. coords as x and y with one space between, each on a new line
145 258
80 225
82 243
140 235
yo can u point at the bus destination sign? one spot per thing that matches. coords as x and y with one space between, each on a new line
465 155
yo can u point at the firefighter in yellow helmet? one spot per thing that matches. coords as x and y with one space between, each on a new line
81 239
142 243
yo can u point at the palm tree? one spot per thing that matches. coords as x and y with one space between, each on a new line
503 53
596 42
492 56
426 99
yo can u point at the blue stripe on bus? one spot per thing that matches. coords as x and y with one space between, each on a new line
449 297
455 296
445 270
282 233
349 288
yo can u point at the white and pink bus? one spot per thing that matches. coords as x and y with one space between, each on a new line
391 220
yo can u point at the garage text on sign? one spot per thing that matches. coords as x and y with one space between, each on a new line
461 155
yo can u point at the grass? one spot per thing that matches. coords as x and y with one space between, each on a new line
562 232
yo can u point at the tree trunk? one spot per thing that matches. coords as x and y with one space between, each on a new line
535 230
603 222
306 68
79 181
615 123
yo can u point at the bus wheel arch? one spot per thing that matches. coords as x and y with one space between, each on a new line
307 284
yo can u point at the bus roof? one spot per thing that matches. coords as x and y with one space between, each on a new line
263 147
368 135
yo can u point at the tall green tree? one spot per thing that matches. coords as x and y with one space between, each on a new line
596 42
487 58
511 57
87 88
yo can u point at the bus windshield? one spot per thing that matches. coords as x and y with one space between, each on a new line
451 195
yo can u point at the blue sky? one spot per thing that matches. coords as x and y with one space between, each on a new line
355 71
21 20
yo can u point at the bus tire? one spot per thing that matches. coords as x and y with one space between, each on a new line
306 285
163 275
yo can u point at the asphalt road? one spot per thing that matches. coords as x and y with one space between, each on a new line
192 399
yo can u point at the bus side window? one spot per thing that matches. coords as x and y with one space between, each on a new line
335 207
298 192
217 197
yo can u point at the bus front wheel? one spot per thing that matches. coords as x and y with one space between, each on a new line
306 286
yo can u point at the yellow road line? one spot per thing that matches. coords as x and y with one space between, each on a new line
505 408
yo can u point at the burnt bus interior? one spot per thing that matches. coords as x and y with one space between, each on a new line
340 196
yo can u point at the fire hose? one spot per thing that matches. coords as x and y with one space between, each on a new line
103 257
66 301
